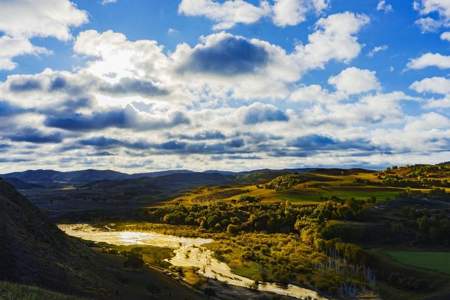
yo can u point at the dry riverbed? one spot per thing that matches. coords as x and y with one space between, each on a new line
189 252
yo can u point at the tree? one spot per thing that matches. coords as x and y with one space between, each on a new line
232 229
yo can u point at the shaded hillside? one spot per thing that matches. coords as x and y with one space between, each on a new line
55 178
35 252
120 194
24 292
22 185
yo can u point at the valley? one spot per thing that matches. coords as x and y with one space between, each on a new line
305 234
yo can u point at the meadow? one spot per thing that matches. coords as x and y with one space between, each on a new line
435 261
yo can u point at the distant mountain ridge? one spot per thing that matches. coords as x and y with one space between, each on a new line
51 178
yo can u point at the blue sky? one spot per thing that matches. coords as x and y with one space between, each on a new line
138 85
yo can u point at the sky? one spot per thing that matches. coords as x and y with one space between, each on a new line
147 85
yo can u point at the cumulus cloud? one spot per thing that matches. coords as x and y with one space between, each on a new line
229 13
76 84
133 59
334 39
11 47
430 60
191 98
177 147
437 85
7 109
222 64
117 118
229 55
434 85
428 24
109 143
44 18
313 93
445 36
127 86
22 19
430 7
355 81
231 146
203 135
293 12
317 142
33 135
227 65
439 103
47 81
260 113
25 85
226 14
367 110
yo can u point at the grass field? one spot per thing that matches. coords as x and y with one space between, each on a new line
358 193
436 261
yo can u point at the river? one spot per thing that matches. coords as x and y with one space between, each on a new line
189 252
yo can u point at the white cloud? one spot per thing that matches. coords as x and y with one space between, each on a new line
445 36
430 60
226 14
434 85
438 103
425 7
384 6
293 12
355 81
320 5
113 56
44 18
106 2
21 20
264 94
172 31
424 134
289 12
313 93
231 12
437 85
216 68
374 109
377 49
430 7
11 47
219 67
334 39
428 24
427 122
